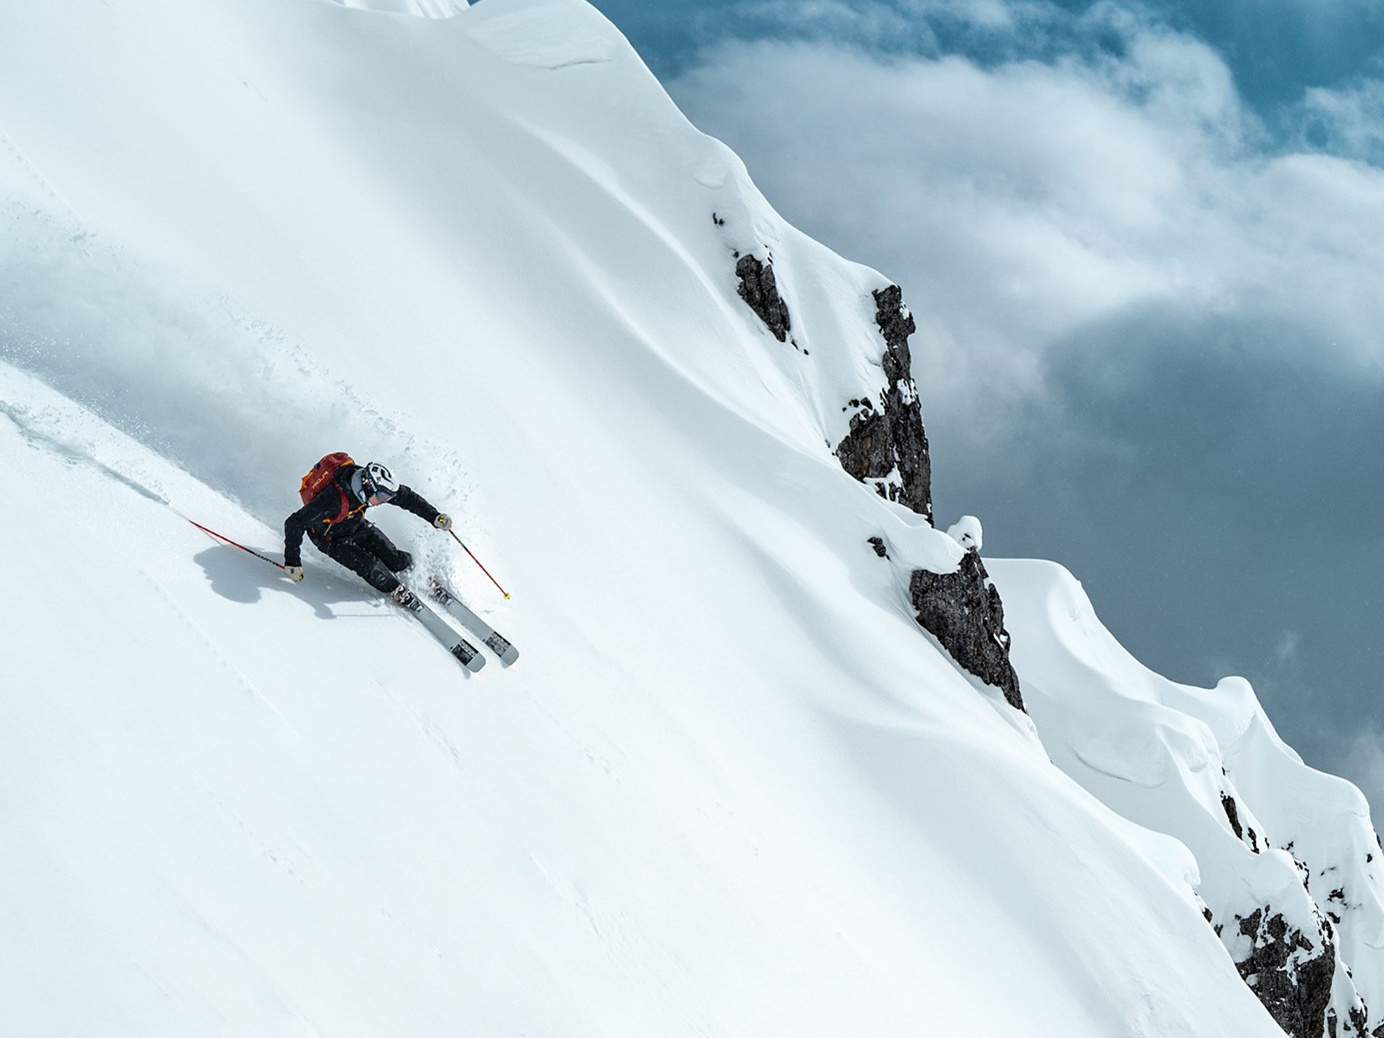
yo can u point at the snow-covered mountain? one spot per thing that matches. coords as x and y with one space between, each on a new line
733 787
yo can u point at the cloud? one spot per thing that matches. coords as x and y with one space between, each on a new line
1364 763
1287 648
1021 202
1348 121
869 23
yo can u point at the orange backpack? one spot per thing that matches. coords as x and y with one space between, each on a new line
323 475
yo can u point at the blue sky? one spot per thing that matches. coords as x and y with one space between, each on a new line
1146 242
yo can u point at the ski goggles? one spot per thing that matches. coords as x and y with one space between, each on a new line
370 491
377 495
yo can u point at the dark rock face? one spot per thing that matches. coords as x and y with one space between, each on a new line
1295 988
963 611
886 444
1233 813
759 289
1245 834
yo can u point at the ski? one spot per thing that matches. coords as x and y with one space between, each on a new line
490 638
467 654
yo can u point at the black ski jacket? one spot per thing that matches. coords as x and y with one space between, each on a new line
314 518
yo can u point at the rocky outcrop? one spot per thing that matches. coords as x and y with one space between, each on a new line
887 446
759 289
1245 834
1291 973
963 611
1298 974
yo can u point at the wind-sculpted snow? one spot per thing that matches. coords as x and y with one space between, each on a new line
1290 866
728 790
550 37
414 8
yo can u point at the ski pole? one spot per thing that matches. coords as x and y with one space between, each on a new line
477 562
236 544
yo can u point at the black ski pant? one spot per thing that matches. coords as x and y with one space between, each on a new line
369 553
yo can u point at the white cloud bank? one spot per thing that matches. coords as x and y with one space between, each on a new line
1022 202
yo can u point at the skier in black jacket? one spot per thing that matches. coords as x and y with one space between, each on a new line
335 522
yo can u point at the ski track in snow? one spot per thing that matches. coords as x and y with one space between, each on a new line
43 431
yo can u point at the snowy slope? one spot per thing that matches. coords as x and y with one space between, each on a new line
730 789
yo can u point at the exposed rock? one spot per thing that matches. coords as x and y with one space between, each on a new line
1290 973
962 610
886 445
1246 833
1360 1020
759 289
1232 812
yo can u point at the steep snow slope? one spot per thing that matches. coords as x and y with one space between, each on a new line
237 805
730 788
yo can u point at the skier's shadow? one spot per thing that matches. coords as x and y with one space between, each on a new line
236 577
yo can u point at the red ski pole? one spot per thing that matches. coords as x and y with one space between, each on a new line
236 544
477 562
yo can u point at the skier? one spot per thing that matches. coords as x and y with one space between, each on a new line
336 494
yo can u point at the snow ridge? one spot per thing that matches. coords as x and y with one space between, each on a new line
1290 866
